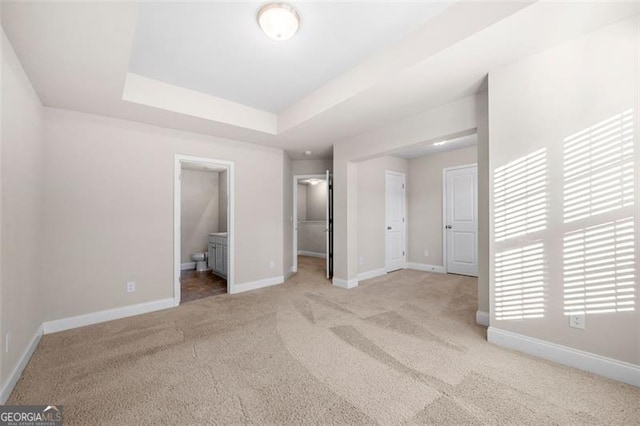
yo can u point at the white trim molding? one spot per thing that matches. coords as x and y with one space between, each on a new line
426 268
348 284
63 324
613 369
254 285
312 254
482 318
371 274
13 378
187 266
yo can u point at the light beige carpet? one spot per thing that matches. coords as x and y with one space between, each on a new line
398 349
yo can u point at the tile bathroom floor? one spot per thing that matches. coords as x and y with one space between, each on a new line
197 285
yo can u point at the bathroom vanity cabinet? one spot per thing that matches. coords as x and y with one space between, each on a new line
218 253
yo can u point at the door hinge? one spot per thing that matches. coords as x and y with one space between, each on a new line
403 220
403 186
403 254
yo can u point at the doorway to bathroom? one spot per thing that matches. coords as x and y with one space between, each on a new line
203 228
313 224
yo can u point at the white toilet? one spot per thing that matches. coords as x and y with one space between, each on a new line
201 261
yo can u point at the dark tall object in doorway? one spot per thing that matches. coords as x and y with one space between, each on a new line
329 229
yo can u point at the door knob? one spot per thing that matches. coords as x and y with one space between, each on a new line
448 226
388 227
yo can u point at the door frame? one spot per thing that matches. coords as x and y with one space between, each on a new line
444 211
177 219
406 219
296 178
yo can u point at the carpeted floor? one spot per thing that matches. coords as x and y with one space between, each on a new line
402 348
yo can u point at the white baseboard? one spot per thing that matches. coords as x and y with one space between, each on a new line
426 268
106 315
348 284
371 274
13 378
603 366
311 254
188 265
254 285
482 318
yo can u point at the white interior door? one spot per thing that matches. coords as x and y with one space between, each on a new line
461 220
395 221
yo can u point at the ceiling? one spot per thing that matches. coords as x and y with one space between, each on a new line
106 58
427 148
218 48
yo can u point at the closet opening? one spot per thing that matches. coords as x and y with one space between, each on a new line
313 224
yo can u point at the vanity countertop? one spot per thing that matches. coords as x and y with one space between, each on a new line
218 234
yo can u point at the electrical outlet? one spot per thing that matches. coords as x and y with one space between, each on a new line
426 253
6 342
361 260
131 287
272 264
577 321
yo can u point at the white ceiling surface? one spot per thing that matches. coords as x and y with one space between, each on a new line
219 49
77 56
427 148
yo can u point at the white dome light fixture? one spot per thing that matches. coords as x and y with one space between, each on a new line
279 21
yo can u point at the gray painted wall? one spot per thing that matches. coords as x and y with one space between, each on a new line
425 202
317 201
199 211
302 202
371 209
223 201
22 176
126 218
312 213
535 104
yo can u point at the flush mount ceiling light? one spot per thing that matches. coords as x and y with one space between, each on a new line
279 21
314 181
439 143
307 153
